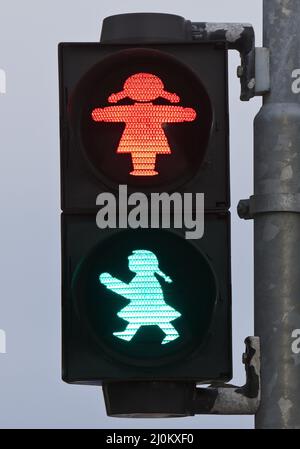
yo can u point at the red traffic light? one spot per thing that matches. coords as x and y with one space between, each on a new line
142 118
144 136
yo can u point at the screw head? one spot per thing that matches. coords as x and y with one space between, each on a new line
240 71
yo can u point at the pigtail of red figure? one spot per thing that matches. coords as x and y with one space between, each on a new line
114 98
172 98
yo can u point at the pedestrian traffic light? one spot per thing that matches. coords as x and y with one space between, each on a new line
169 100
150 113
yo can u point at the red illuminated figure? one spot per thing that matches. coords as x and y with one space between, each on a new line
144 136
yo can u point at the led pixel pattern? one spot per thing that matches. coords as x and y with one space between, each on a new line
144 137
147 306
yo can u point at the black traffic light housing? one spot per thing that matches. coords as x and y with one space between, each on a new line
89 74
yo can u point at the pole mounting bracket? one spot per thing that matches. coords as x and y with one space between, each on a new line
263 204
238 36
226 399
254 71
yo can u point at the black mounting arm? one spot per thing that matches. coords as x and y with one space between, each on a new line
238 36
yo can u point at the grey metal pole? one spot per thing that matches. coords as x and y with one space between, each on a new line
277 220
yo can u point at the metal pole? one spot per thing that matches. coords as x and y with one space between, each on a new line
277 220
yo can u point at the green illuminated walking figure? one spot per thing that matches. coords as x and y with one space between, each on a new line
147 306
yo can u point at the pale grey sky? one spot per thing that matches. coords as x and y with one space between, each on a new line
32 394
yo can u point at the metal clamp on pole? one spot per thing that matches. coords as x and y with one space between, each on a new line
263 204
226 399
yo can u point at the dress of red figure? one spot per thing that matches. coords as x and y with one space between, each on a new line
144 136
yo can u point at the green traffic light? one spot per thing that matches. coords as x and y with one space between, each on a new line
147 305
138 303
